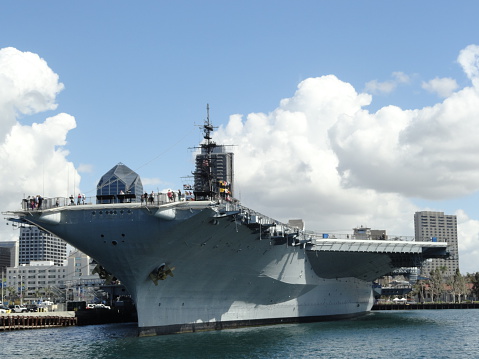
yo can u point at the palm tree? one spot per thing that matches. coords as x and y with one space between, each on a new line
12 293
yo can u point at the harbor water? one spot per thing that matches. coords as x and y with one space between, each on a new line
383 334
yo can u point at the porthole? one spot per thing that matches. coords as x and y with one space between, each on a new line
114 243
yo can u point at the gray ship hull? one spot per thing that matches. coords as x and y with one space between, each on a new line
191 266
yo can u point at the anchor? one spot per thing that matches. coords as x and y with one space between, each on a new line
161 273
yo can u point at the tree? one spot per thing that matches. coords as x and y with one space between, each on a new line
475 284
459 285
12 293
436 283
419 290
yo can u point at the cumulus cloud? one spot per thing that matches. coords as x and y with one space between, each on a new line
34 155
377 87
469 60
442 87
286 166
321 156
27 86
468 234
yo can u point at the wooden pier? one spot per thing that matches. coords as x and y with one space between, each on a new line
13 321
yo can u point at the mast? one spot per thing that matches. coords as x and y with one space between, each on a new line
204 177
214 167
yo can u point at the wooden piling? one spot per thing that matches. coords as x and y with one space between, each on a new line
16 322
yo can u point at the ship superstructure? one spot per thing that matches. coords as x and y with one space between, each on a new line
212 263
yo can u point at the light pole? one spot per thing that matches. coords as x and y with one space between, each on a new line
21 295
3 298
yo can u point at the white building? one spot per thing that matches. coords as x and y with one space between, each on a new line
44 279
40 279
438 227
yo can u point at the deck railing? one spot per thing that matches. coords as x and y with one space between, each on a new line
34 203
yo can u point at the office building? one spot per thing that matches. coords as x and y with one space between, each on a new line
38 245
438 227
47 280
8 254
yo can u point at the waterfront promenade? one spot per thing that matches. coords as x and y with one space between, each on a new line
418 306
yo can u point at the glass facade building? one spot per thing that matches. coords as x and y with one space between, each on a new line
119 184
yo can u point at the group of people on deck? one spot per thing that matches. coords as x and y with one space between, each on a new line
80 199
34 202
171 196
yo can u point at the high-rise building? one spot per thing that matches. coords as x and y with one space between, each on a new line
438 227
38 245
8 254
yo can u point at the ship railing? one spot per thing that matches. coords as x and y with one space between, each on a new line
252 217
323 236
32 203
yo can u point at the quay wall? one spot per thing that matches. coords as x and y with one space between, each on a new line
16 321
417 306
38 320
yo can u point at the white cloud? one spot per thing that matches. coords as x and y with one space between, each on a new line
386 87
442 87
33 159
469 60
27 86
85 168
286 167
322 157
468 235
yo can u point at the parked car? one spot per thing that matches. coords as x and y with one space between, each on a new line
19 309
32 307
4 310
97 306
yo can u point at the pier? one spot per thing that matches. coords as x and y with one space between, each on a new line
40 320
36 320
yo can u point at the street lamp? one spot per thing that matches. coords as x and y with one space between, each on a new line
21 296
2 284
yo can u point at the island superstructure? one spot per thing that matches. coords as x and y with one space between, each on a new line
212 263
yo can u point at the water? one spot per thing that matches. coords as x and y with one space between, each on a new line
392 334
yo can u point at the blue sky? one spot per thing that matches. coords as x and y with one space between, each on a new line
137 77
